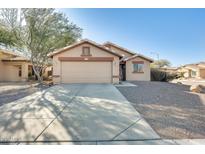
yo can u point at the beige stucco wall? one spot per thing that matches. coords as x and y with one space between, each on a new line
130 76
9 71
1 71
76 52
121 52
196 69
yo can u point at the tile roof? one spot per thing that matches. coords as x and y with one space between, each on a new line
81 42
119 47
137 55
14 56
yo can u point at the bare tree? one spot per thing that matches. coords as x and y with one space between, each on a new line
160 63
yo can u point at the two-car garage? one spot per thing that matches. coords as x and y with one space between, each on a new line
86 72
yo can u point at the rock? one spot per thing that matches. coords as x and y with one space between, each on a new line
196 88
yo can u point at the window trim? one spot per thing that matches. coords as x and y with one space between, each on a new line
83 53
138 62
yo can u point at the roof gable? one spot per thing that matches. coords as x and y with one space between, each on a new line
11 56
138 55
8 53
134 55
80 43
108 44
194 65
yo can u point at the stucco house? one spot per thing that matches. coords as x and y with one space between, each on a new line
169 69
196 70
89 62
13 67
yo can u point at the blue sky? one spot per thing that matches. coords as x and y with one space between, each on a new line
176 34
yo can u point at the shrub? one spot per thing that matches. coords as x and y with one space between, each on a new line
159 75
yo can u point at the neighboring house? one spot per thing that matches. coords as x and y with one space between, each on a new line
193 70
13 67
89 62
169 69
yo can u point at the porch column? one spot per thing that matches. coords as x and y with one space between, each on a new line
198 73
24 70
115 70
189 73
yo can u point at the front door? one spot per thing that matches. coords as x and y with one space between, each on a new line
123 72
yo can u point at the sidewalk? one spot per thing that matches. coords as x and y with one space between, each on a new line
145 142
157 142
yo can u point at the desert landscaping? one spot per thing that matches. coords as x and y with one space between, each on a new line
171 109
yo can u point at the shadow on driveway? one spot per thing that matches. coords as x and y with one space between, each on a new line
87 113
12 91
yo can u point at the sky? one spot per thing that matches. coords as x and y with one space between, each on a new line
177 35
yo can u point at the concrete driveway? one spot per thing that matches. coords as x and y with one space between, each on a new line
12 91
73 114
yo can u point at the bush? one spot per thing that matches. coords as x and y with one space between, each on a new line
159 75
31 77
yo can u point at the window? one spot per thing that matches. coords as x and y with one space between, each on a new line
20 71
193 73
50 73
138 68
86 51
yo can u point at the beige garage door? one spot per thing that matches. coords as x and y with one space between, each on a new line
86 72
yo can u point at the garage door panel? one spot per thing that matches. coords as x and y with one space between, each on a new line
86 72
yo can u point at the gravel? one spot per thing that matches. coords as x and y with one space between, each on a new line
171 109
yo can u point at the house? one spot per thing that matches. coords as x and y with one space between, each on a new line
13 67
169 69
89 62
196 70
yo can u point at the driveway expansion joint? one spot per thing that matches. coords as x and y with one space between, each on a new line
126 128
57 115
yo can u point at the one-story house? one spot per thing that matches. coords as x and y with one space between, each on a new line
196 70
169 69
13 67
89 62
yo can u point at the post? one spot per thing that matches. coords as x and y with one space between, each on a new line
24 69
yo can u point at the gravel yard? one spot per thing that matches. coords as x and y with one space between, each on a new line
11 91
171 109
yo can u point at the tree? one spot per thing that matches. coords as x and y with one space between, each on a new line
160 63
37 32
6 37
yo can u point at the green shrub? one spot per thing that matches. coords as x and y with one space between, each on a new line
159 75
